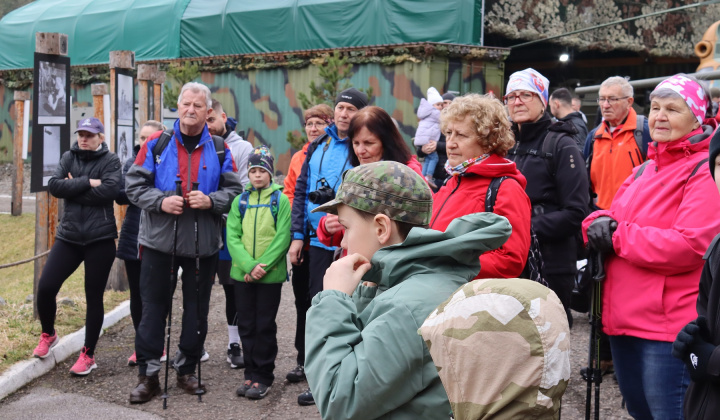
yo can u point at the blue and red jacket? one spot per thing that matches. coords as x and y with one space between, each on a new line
152 178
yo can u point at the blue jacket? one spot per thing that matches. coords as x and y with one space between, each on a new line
327 158
150 181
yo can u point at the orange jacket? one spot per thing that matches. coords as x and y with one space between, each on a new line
296 163
613 158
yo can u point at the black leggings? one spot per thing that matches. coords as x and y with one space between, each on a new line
63 260
132 269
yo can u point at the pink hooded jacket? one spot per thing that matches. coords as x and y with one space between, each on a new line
666 220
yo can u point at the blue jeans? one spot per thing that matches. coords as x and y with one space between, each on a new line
651 380
430 163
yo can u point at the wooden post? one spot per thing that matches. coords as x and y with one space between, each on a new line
125 60
158 94
17 184
146 74
99 90
46 206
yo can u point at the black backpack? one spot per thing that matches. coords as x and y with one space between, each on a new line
167 135
534 266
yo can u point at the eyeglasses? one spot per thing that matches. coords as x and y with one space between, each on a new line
316 124
523 97
611 100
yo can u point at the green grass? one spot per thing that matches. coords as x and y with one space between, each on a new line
19 332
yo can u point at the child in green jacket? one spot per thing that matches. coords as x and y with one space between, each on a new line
258 238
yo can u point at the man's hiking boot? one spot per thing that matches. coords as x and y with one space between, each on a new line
189 384
148 387
306 398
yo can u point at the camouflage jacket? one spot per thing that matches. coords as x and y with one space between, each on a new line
364 357
502 349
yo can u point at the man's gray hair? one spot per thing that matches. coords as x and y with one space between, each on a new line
625 86
196 87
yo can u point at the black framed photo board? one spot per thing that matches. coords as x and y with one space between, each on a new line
125 113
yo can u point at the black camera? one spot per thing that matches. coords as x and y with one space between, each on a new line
323 194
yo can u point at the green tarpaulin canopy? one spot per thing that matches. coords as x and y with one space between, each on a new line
168 29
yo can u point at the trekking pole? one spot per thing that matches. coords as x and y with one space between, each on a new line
199 391
596 265
173 282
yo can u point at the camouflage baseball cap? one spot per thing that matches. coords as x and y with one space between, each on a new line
386 187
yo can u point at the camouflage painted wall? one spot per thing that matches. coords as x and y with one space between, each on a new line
673 34
265 101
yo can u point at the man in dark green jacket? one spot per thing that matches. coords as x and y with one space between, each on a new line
365 359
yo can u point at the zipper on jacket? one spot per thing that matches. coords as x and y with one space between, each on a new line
631 158
639 156
446 200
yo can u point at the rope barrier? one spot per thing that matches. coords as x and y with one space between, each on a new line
25 260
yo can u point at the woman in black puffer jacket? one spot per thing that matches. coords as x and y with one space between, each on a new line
548 156
88 178
127 249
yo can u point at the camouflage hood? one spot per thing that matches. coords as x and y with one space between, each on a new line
502 349
453 252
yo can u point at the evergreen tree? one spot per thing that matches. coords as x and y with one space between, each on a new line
177 76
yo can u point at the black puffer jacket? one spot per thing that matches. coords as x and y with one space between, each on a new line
559 200
702 399
128 244
88 215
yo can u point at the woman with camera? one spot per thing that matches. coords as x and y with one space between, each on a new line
374 137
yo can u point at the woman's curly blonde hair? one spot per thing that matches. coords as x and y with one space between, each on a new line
489 118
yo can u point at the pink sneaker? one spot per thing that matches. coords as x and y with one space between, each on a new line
84 365
132 360
46 343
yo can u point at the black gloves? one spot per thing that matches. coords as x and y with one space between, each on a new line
600 234
693 348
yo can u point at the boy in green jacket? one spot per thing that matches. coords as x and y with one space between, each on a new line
258 237
364 357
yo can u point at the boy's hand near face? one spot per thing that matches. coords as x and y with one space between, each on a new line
346 273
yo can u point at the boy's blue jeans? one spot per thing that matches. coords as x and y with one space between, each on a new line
430 163
651 380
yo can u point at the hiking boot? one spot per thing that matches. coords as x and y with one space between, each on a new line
297 374
189 384
205 357
235 357
46 343
148 387
257 391
84 365
243 388
306 398
132 360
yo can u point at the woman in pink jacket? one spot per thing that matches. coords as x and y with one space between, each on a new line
659 225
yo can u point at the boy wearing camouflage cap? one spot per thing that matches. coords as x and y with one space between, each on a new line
364 356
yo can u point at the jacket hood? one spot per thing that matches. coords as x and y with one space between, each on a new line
534 132
664 153
89 154
233 137
508 355
572 116
494 167
453 252
425 110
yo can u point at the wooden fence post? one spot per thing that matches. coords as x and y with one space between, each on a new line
125 60
46 206
158 95
17 176
145 75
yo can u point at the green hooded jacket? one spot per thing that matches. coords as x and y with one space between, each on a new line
256 239
364 357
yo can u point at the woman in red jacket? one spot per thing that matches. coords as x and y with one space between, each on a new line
478 137
374 137
654 235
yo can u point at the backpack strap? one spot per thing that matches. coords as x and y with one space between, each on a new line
243 203
638 134
491 194
167 135
641 170
274 204
548 149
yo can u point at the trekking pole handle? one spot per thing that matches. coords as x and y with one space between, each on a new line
178 187
195 186
600 274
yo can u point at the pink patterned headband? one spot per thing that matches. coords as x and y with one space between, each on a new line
692 93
